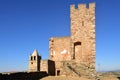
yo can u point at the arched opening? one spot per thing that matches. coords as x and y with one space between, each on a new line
31 58
77 50
34 57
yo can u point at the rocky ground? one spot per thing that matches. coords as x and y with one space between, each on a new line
76 78
103 76
110 76
63 78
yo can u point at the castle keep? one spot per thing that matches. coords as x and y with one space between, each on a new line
73 55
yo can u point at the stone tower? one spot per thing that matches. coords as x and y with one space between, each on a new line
83 33
34 62
76 53
72 55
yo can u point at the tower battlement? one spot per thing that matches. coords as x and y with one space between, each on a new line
82 10
82 6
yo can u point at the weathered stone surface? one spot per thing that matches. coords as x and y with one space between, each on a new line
37 65
80 45
34 61
48 66
60 48
74 55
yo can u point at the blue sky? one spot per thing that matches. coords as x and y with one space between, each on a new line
26 25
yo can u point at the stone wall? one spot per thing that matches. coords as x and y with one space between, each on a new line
59 51
60 48
47 66
79 47
83 33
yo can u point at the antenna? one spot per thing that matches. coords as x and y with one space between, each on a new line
99 67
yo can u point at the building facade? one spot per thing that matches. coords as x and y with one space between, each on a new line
74 55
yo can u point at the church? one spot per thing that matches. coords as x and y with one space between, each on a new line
72 55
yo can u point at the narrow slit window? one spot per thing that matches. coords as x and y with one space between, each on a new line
82 23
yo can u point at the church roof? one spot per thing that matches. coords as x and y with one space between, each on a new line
35 53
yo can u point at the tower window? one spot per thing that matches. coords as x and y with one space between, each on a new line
34 57
31 58
31 62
